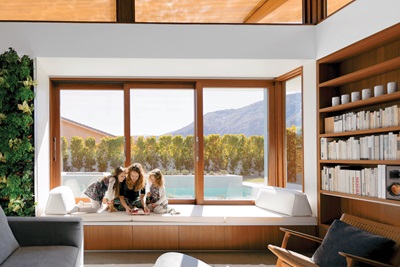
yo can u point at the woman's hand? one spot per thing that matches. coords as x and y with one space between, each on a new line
146 209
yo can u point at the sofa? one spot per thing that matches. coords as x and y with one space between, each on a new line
39 241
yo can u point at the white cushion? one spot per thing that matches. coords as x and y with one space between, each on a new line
61 200
286 201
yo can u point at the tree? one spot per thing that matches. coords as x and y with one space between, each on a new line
177 151
188 153
165 150
138 150
291 149
77 152
89 157
65 154
213 153
256 150
233 145
151 152
102 155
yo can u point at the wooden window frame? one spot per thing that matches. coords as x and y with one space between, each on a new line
281 125
275 110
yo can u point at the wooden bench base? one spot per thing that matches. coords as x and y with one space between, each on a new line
182 237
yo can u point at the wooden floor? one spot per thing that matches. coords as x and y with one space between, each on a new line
258 258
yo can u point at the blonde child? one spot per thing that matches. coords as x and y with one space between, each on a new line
156 200
106 188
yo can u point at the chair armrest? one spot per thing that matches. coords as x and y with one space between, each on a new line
47 231
302 235
353 259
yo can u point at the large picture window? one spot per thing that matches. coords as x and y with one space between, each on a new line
210 138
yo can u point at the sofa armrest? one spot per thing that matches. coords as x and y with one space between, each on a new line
47 231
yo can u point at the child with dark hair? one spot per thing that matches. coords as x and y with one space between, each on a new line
107 188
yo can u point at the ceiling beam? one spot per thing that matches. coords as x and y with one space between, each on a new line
266 8
125 11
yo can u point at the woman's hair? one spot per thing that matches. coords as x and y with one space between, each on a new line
117 184
158 177
140 182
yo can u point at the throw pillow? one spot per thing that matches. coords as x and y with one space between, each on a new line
8 242
349 239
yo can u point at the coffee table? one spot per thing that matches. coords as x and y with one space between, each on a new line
175 259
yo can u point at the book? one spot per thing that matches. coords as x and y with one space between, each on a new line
137 211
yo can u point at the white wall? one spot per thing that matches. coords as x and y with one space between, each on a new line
357 21
209 51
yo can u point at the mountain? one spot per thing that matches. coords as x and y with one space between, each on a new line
248 120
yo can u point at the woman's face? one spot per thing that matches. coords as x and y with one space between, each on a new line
121 177
134 176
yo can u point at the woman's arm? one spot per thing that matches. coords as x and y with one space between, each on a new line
123 203
143 200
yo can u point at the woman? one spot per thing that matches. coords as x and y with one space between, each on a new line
132 191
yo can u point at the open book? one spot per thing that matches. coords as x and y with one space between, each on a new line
137 211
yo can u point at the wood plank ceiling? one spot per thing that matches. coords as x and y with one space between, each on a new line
163 11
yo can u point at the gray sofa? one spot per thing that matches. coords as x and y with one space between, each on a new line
40 241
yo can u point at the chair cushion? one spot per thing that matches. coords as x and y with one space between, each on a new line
8 242
43 256
282 200
342 237
61 200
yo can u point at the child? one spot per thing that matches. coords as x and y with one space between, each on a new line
133 190
108 187
156 200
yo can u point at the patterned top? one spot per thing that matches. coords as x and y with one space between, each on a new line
101 188
157 195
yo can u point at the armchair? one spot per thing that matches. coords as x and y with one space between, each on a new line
360 235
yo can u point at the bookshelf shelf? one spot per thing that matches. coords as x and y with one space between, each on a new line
362 132
361 162
375 70
363 198
362 103
369 62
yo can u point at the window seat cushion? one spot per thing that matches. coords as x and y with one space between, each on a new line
198 214
283 200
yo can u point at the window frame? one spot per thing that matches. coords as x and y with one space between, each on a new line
280 83
275 110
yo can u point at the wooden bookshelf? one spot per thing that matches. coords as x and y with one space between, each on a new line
369 62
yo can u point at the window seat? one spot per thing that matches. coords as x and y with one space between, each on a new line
197 227
273 206
198 215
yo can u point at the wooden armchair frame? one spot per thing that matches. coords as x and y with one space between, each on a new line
291 258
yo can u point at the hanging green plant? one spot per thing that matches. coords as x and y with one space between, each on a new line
16 134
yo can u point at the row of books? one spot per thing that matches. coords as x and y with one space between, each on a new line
363 120
373 147
351 180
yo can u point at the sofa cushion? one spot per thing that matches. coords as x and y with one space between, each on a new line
342 237
282 200
61 200
43 256
8 242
